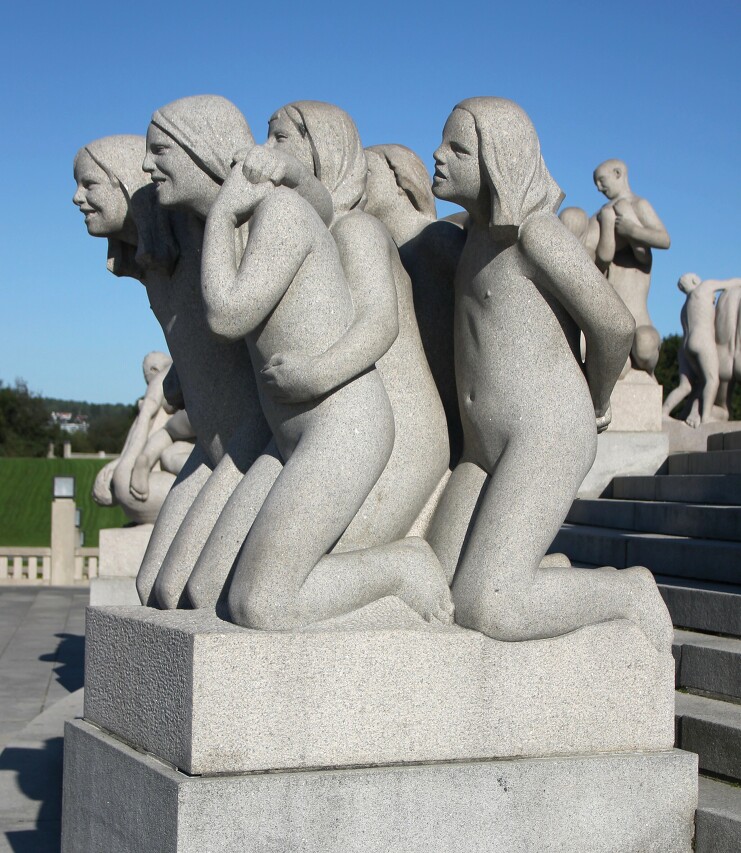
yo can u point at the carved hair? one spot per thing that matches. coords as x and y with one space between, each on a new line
410 174
209 128
121 158
339 159
511 163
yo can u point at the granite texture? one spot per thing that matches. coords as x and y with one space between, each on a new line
631 803
113 592
636 404
629 229
699 354
210 697
623 454
122 550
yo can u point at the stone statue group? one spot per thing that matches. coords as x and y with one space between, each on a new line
384 404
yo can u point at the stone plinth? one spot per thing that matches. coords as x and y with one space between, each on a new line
209 697
621 454
636 404
118 800
711 436
122 550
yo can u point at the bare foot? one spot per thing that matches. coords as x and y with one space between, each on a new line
693 420
421 583
139 483
647 609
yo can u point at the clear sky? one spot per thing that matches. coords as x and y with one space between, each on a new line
656 83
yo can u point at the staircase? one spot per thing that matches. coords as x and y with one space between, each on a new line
684 523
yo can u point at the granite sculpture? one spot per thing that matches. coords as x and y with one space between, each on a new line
530 414
586 230
699 361
398 193
141 491
288 292
629 229
161 248
728 341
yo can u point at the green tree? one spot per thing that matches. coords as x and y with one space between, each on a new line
24 422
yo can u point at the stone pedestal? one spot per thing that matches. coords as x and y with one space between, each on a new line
636 403
373 732
121 553
624 454
717 435
118 800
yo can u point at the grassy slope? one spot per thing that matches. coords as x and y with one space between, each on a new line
25 500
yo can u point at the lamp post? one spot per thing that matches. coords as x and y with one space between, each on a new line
63 531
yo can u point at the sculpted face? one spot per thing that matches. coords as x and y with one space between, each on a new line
283 133
457 175
608 180
102 202
381 188
688 282
180 182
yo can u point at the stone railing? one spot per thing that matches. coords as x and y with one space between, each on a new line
33 565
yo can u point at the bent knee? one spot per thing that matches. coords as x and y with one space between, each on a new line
261 611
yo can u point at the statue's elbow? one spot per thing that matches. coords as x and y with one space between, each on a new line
221 325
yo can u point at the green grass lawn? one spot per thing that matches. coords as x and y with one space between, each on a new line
25 500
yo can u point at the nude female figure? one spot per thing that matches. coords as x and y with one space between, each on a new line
524 288
698 356
398 193
325 141
289 291
163 250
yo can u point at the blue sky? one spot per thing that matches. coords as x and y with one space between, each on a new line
654 83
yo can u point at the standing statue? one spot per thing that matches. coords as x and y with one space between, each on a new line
628 229
524 288
728 341
699 362
114 484
398 193
162 249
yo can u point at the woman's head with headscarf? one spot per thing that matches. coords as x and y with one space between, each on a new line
191 147
408 173
324 139
118 201
506 151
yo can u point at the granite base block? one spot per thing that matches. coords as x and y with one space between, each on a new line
622 454
122 550
121 801
210 697
636 404
113 591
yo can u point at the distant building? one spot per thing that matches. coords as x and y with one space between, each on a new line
68 422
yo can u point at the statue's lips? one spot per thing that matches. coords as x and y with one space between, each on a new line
439 176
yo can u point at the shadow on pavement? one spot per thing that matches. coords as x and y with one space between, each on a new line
70 659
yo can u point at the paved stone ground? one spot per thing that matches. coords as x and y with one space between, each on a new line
42 641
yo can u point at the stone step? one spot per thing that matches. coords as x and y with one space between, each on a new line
710 462
701 606
673 518
712 729
725 441
708 663
675 556
718 817
688 488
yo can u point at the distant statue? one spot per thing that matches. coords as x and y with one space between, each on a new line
113 485
728 341
398 193
585 230
699 362
288 292
628 230
524 288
